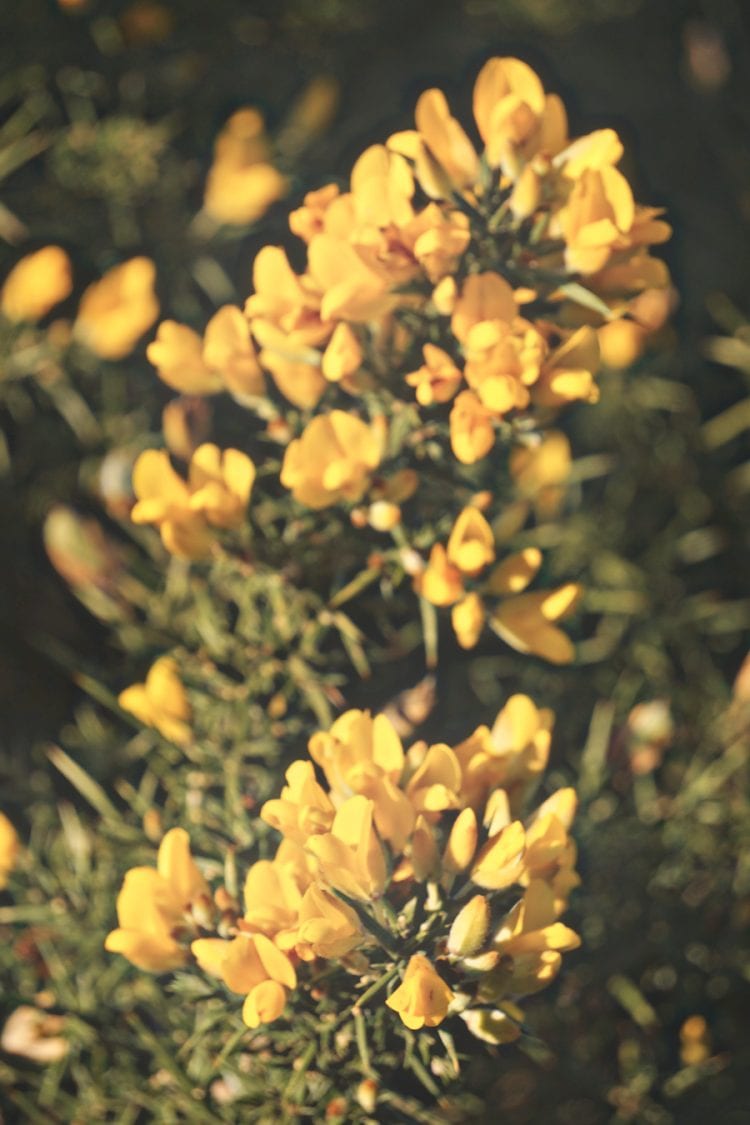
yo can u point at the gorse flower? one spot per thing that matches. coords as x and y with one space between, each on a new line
161 702
215 495
115 312
156 907
36 284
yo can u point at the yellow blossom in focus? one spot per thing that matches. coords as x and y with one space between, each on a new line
161 702
9 848
36 284
515 118
422 999
303 809
598 213
327 927
350 857
154 907
470 927
250 964
333 460
116 311
242 183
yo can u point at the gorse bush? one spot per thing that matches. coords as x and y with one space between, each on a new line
361 463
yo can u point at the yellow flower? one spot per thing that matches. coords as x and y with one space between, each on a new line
303 809
220 485
349 857
116 311
437 380
568 374
362 754
242 183
161 702
216 494
155 904
422 999
273 894
471 428
467 619
598 213
327 926
36 284
9 848
526 622
515 119
540 472
333 460
224 359
484 297
343 356
471 546
163 499
436 783
250 964
499 863
440 582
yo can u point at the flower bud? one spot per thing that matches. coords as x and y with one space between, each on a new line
470 927
462 843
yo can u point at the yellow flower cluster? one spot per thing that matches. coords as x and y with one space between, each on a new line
377 866
488 251
525 621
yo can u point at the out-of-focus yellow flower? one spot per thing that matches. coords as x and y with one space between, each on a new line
515 118
568 374
163 499
116 311
242 183
215 495
154 907
34 1034
484 297
695 1041
461 845
333 460
621 342
437 380
224 359
309 219
161 702
540 471
36 284
471 545
440 582
598 213
220 484
349 857
343 356
9 848
471 429
422 999
468 617
527 622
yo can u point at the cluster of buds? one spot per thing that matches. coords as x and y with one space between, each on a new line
419 864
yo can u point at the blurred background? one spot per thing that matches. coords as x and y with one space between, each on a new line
108 115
